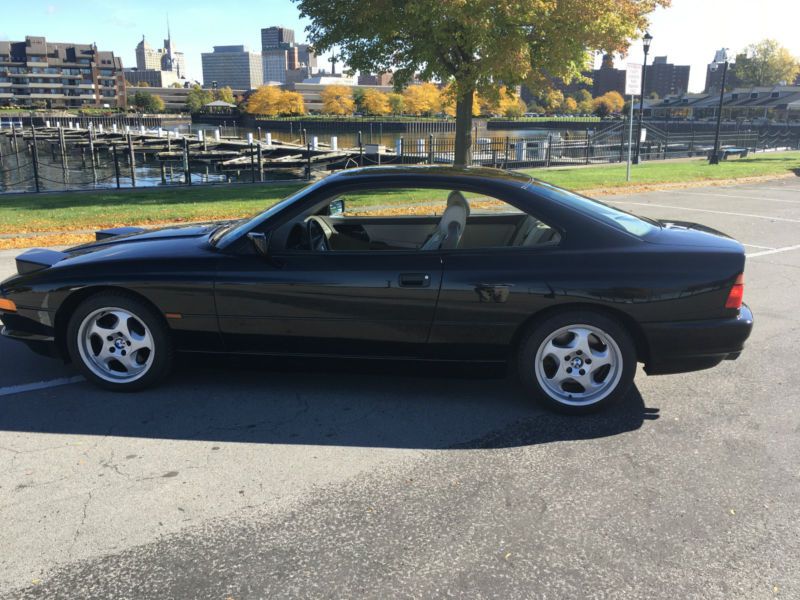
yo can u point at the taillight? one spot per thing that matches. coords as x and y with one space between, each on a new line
736 294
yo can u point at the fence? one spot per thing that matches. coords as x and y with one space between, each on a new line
28 164
571 149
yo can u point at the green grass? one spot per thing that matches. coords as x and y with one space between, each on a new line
547 119
612 176
76 211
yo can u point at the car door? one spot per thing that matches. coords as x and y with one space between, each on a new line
494 281
486 295
328 303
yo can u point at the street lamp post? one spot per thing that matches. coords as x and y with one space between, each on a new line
714 158
646 40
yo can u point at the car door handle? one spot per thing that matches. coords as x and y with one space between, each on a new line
415 280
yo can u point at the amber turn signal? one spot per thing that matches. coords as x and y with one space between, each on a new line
7 305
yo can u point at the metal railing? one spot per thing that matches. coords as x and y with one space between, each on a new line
31 164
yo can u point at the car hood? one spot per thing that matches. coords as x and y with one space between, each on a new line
123 243
685 233
133 235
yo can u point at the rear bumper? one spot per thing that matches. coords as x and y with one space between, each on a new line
678 347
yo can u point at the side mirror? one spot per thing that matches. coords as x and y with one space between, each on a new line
260 242
336 208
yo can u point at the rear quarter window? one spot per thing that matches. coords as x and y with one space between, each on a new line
620 219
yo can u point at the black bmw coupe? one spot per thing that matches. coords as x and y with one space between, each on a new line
419 263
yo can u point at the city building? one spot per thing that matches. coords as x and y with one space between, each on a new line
59 75
275 37
160 59
779 103
275 64
607 78
666 79
175 98
382 79
283 60
714 74
312 88
233 66
306 56
152 77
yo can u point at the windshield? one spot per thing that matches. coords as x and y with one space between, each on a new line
237 228
633 224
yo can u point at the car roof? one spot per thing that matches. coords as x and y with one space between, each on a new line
432 172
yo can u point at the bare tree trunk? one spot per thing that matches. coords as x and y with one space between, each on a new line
463 153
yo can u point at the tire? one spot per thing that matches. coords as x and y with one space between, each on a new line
577 361
119 342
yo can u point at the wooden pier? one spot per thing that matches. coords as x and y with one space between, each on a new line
225 154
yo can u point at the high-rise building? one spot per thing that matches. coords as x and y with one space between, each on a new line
172 60
275 37
306 56
147 57
59 75
233 66
666 79
284 61
714 74
275 61
160 59
607 78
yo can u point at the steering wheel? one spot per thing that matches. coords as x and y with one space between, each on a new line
317 235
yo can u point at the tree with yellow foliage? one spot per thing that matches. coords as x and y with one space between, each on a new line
610 102
375 102
397 103
448 102
552 100
508 104
424 99
570 105
266 100
337 100
474 43
291 103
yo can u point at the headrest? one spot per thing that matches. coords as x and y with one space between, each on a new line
457 199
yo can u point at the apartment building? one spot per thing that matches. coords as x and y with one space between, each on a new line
38 73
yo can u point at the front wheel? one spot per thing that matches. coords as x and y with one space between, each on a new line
577 361
119 342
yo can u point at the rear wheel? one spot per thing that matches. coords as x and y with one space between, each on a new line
577 361
119 342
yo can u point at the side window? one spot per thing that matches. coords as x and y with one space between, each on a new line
421 219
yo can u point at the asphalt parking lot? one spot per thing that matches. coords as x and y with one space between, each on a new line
343 481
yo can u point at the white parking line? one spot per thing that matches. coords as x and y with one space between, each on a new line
757 246
774 251
40 385
712 194
776 189
703 210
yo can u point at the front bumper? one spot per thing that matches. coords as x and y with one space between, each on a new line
40 344
678 347
23 327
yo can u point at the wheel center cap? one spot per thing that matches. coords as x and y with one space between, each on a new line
576 362
119 343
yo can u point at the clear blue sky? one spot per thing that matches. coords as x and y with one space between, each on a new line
196 25
688 33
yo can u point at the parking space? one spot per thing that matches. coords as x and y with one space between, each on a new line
290 479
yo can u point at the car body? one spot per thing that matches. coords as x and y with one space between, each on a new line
239 287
